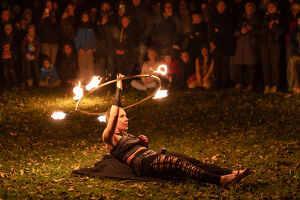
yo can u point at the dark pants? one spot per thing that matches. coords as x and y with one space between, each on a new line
245 74
221 71
9 72
176 165
270 62
31 70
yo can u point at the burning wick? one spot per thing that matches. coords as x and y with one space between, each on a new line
94 83
78 91
102 118
161 94
162 69
58 115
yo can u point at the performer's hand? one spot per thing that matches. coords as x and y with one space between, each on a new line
143 140
119 82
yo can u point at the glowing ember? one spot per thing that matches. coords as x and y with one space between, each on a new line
161 94
94 83
102 118
78 91
58 115
162 69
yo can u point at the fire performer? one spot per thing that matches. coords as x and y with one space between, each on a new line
144 162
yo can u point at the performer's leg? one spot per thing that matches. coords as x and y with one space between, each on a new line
208 167
174 166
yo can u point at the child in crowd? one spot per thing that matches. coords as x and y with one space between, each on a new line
31 51
204 76
67 65
186 66
173 70
8 55
85 43
148 68
48 77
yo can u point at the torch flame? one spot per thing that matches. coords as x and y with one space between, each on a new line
102 118
94 83
161 94
78 91
58 115
162 69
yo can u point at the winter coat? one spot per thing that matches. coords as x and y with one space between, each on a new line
67 27
165 31
49 73
33 48
270 38
223 39
8 47
85 37
246 45
128 41
49 30
104 45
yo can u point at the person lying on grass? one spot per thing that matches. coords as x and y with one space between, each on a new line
144 162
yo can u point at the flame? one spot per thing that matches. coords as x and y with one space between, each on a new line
162 69
94 83
58 115
102 118
78 91
161 94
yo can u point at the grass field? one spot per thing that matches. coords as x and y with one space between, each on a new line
230 129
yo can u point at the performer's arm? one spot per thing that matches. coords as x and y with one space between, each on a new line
114 114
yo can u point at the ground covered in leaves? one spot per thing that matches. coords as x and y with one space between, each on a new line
37 154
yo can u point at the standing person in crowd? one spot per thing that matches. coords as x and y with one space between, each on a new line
67 64
292 24
49 32
263 7
31 53
269 46
204 71
104 46
85 43
140 19
165 29
198 35
295 56
185 21
148 68
67 25
48 76
187 67
245 57
8 55
124 46
222 43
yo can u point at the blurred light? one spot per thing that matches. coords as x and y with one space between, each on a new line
78 91
161 94
162 69
58 115
94 83
102 118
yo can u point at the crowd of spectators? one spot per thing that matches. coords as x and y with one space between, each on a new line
205 43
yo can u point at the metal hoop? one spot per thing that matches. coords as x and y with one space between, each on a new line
114 81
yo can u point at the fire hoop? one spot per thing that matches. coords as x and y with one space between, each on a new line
114 81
